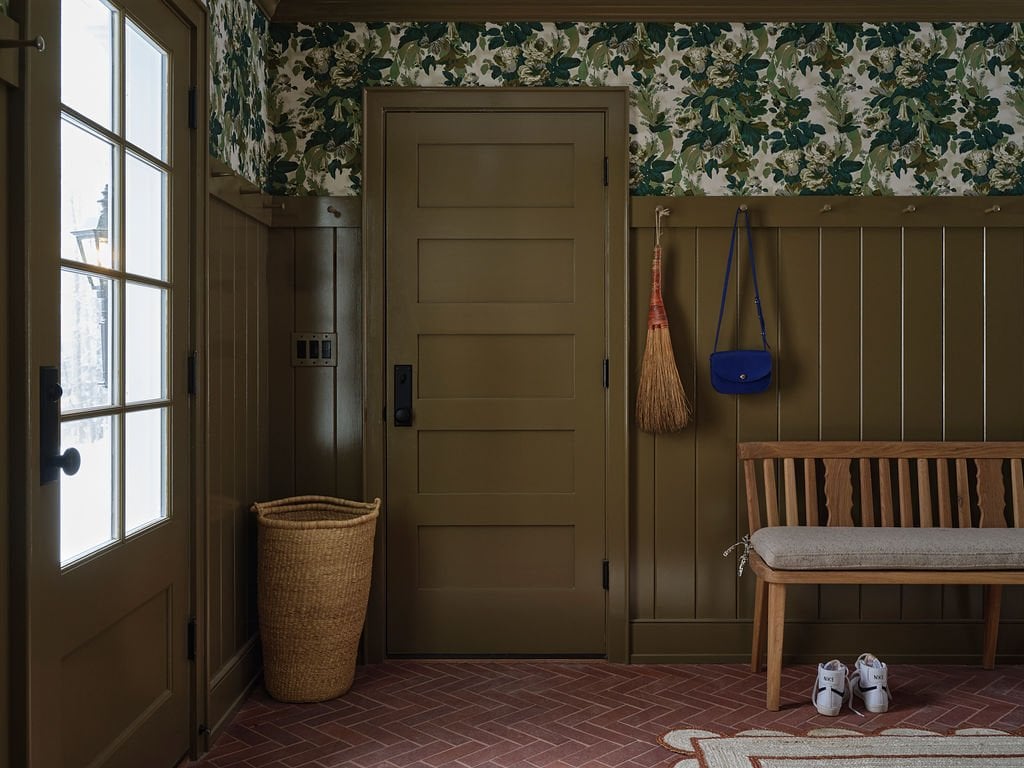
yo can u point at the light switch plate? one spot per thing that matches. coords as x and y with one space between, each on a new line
314 349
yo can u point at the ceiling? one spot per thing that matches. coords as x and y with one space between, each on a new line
681 10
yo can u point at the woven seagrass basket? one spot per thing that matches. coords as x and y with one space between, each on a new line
315 556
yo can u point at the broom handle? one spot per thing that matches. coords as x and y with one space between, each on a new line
753 272
656 315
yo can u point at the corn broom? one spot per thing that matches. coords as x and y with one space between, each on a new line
661 403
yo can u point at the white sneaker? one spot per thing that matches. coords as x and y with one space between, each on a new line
870 681
830 689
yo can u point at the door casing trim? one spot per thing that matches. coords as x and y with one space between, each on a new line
613 103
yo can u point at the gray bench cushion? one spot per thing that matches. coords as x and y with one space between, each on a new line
800 548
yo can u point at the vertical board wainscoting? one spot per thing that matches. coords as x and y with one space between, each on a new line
885 324
236 439
315 273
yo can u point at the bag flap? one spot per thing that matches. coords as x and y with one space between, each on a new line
742 364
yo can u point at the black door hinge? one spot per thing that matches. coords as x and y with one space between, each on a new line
193 117
605 574
605 376
606 171
191 639
192 362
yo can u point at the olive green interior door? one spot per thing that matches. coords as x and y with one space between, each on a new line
111 238
495 293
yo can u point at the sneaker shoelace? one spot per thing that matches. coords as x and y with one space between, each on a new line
845 697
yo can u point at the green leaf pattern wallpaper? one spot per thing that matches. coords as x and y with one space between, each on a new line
239 38
715 109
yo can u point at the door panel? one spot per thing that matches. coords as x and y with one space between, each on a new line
496 297
108 677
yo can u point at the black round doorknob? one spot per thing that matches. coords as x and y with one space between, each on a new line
70 461
403 414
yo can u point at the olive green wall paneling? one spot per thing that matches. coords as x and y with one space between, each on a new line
675 502
5 554
797 353
1004 329
641 444
281 310
314 386
922 369
882 382
216 425
963 327
757 416
236 446
315 422
716 447
348 313
964 365
840 370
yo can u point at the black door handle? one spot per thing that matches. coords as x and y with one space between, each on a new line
403 395
50 461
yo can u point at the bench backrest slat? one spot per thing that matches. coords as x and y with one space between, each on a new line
924 495
753 505
867 498
906 497
1017 479
810 492
885 493
771 493
991 498
963 498
838 492
792 500
942 484
985 479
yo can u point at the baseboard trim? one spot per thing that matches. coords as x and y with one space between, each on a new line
939 642
231 685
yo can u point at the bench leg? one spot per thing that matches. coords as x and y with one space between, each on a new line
760 625
776 624
993 602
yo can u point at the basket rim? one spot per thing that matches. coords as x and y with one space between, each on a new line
267 512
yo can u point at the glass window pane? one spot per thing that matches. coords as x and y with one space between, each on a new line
86 192
88 499
87 59
145 338
87 347
145 220
145 80
145 479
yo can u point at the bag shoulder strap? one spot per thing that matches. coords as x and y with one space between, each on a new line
753 272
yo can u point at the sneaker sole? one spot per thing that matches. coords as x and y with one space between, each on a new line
829 712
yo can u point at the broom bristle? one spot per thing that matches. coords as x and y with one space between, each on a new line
661 403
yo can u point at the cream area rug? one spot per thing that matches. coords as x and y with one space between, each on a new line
842 748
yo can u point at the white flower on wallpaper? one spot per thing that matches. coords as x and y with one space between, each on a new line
239 36
715 109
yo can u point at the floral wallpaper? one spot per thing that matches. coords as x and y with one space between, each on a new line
715 109
239 36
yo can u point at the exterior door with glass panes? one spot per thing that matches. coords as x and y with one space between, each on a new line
109 581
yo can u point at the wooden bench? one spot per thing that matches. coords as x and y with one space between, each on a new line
859 513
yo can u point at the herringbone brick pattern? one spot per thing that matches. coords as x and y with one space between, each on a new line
555 714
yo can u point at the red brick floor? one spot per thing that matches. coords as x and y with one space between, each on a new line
543 714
